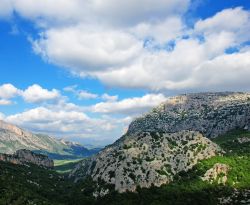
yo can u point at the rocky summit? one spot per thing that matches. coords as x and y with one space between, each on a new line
23 157
170 139
212 114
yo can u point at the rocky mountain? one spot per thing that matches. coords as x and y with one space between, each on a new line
170 139
13 138
212 114
23 157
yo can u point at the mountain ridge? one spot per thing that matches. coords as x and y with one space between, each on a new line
13 138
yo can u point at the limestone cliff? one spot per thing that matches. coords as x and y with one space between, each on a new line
23 157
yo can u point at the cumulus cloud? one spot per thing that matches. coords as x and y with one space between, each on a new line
127 12
8 91
235 69
68 119
81 49
33 94
128 106
37 94
238 18
109 98
160 31
137 44
5 102
81 94
68 123
173 69
157 55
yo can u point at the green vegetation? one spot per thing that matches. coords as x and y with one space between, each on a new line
65 166
21 185
229 142
127 146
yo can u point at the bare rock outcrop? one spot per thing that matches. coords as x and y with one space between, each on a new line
23 157
218 173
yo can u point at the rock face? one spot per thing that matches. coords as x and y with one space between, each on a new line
27 157
147 158
169 139
217 173
13 138
212 114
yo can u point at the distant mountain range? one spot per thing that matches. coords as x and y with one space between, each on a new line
13 138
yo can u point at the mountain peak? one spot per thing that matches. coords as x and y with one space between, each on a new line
14 129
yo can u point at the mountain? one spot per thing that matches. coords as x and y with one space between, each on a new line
171 139
13 138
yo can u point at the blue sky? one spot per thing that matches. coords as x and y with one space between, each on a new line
85 70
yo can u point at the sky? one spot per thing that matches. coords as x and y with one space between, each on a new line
84 69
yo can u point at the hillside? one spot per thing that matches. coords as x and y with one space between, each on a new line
13 138
191 187
172 138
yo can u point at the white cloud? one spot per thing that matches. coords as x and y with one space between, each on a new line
37 94
82 94
70 88
5 8
226 20
2 116
226 72
160 31
82 49
139 62
68 123
109 98
8 91
47 12
42 114
136 44
136 105
5 102
69 120
132 12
